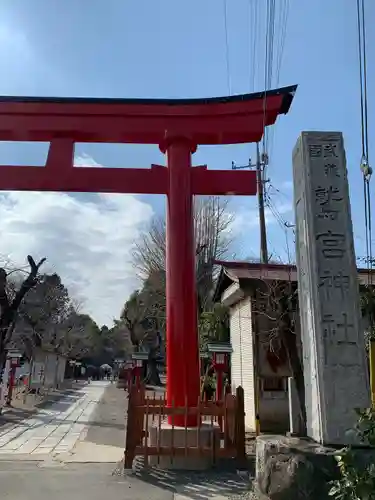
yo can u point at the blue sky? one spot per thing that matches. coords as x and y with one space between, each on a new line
164 48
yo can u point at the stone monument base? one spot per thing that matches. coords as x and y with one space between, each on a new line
182 437
297 468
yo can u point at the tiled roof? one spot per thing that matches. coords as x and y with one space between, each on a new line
234 272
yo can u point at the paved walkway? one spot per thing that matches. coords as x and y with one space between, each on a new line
104 439
54 430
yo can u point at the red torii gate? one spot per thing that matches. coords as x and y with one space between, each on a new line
178 127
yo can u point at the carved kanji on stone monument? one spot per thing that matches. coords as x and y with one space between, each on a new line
335 366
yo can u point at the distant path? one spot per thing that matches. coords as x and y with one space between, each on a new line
104 439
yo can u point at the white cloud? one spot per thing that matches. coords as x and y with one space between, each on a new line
85 160
88 240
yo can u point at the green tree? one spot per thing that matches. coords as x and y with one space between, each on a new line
49 319
42 312
367 297
144 312
357 476
144 317
214 326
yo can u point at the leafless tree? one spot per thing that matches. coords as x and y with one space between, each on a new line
212 222
276 310
11 298
150 251
212 237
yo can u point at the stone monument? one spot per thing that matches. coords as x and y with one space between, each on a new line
334 359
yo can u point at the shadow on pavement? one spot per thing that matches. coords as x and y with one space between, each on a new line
107 424
223 480
61 400
18 415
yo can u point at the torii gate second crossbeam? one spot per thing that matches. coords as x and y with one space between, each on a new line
178 127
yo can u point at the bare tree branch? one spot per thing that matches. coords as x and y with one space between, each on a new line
9 307
277 302
211 222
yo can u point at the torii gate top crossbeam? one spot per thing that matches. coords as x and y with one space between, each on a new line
65 121
222 120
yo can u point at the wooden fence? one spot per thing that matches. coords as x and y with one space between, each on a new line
146 411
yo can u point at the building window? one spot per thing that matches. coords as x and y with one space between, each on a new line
273 384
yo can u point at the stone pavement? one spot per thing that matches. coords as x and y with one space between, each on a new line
104 439
53 430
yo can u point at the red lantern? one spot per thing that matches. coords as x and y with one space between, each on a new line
138 359
220 355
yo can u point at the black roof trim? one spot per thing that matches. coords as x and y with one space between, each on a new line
288 93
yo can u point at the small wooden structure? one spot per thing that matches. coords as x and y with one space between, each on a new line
146 410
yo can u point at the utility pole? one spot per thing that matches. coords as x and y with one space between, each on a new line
262 219
261 162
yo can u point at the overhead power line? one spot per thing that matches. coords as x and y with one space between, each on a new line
365 161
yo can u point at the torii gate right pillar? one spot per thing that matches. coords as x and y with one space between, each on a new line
182 332
183 376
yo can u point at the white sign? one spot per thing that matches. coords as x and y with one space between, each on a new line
220 359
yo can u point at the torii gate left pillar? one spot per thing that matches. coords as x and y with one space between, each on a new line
177 126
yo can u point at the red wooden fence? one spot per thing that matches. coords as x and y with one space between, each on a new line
147 410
